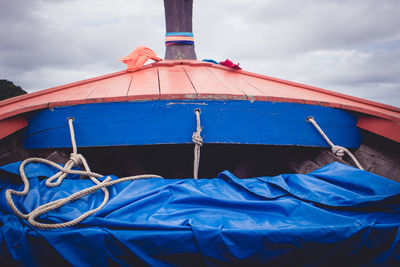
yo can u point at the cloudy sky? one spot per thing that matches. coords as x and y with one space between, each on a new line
349 46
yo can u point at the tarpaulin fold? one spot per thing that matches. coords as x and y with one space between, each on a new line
336 214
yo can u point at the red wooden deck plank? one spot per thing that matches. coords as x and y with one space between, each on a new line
233 79
19 108
11 125
144 85
209 87
386 128
211 81
317 89
175 84
71 96
284 91
45 98
112 89
68 96
372 111
21 98
275 89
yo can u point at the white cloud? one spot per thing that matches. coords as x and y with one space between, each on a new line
349 46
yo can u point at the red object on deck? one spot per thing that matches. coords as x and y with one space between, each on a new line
136 59
191 79
230 64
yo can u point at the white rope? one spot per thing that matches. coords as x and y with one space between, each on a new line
337 150
198 142
75 159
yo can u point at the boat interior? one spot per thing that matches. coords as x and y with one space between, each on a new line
377 154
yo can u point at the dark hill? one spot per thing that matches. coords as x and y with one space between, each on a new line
9 89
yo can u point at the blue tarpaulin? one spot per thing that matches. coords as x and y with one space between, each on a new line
336 214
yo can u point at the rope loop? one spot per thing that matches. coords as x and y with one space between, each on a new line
75 160
337 150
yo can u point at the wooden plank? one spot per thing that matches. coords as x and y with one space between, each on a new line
174 83
276 90
235 80
29 96
20 107
112 89
386 128
144 85
220 84
44 98
71 96
379 163
11 125
305 166
355 100
173 122
209 87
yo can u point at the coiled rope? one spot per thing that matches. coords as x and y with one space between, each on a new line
198 143
75 160
337 150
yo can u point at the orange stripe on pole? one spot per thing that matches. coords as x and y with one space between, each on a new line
178 38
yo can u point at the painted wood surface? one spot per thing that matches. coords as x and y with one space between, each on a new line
385 128
208 86
173 122
210 81
11 125
189 80
144 85
174 83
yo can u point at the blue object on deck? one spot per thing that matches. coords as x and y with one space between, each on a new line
173 122
210 61
336 214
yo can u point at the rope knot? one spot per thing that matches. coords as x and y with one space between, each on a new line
197 139
75 158
338 150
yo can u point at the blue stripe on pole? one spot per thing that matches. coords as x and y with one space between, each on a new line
189 34
179 42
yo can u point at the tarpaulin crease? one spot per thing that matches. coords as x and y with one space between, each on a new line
336 214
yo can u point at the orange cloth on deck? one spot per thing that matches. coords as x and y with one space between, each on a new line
136 59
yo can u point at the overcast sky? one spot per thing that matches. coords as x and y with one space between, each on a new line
348 46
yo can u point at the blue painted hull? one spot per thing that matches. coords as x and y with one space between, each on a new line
173 122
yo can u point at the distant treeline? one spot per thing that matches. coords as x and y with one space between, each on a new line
9 89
